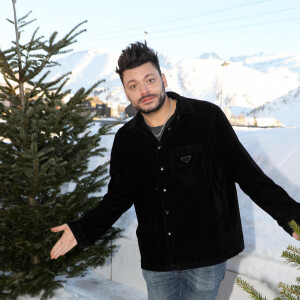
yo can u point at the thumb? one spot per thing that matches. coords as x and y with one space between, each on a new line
58 228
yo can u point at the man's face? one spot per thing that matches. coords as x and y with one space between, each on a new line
145 88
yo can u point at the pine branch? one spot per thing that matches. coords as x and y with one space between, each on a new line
10 21
5 67
24 17
292 255
288 291
254 294
293 224
27 23
67 40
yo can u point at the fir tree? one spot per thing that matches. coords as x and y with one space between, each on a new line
45 143
287 291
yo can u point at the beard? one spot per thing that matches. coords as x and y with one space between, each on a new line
161 99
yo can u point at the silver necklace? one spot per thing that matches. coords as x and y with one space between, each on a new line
157 135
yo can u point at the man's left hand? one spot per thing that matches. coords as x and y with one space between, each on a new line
296 236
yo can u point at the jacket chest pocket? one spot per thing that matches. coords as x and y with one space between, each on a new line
187 164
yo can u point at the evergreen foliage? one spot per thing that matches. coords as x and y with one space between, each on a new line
287 292
45 144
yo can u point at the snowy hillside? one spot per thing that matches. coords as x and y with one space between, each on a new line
285 109
93 65
241 86
87 68
281 63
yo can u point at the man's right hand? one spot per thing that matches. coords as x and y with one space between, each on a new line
65 243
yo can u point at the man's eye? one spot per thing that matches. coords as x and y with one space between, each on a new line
151 80
132 87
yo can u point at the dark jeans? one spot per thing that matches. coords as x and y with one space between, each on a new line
193 284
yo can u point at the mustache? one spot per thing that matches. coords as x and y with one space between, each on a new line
145 97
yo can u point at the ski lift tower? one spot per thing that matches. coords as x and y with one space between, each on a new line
226 109
224 64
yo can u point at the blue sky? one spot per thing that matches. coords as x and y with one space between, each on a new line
178 29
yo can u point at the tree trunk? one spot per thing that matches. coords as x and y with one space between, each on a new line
21 83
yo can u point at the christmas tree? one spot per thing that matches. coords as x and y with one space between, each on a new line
45 144
287 291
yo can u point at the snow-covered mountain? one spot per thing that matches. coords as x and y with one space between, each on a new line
247 82
87 68
93 65
244 84
209 55
284 64
239 84
285 108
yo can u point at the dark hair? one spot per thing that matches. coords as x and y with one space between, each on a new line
134 55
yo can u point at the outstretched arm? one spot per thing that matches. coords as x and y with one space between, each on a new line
242 169
98 220
65 243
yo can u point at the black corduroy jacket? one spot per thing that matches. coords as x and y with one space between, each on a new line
183 189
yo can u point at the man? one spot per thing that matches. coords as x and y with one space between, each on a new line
177 161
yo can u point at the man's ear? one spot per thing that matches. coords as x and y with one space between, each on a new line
164 80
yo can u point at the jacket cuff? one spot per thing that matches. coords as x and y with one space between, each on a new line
78 233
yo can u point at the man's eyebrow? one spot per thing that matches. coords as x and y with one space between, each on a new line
150 74
134 80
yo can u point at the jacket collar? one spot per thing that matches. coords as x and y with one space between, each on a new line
183 107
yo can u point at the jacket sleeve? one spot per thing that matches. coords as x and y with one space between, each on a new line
258 186
118 199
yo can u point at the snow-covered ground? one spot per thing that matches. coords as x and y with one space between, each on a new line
277 152
94 287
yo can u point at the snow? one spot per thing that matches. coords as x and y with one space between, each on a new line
93 287
285 109
277 152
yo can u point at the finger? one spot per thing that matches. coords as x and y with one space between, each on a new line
63 245
59 244
57 252
61 249
67 248
296 236
58 228
55 249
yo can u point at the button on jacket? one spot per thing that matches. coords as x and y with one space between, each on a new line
183 189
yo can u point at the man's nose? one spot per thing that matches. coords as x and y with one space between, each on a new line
144 89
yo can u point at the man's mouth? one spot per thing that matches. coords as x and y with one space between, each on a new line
146 99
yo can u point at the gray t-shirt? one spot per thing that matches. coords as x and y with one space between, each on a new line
156 130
